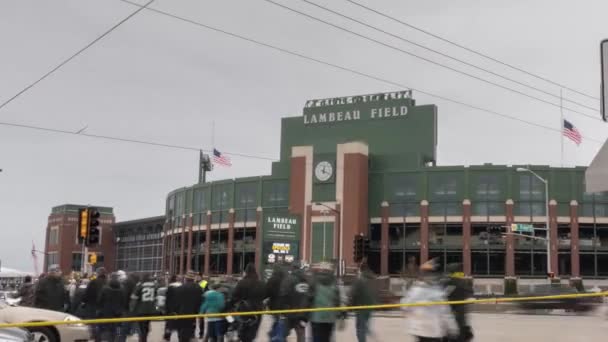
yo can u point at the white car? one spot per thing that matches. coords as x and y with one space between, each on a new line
73 332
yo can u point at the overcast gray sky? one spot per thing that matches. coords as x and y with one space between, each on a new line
156 78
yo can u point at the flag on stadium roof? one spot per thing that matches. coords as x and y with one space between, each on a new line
221 159
572 133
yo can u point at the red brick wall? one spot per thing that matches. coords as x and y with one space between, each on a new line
354 207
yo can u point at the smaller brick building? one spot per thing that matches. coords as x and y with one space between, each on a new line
61 244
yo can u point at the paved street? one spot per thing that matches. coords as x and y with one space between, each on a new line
487 327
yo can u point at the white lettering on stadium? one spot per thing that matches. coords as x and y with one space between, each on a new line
281 222
375 113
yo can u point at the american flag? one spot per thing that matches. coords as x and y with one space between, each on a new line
572 133
221 159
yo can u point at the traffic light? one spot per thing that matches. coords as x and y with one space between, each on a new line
92 258
358 248
94 232
83 224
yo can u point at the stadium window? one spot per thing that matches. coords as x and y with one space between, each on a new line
54 235
587 264
200 201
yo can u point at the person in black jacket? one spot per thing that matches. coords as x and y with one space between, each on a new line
171 306
295 294
91 297
249 294
189 299
26 292
111 304
50 293
273 294
458 289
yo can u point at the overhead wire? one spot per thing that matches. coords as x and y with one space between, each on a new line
448 56
350 70
426 59
496 60
67 60
128 140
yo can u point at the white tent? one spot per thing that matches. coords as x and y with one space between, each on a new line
6 272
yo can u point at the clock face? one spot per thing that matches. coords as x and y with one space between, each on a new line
324 171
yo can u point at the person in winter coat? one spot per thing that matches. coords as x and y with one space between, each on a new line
92 293
429 323
111 304
26 292
325 294
189 298
171 306
363 293
76 306
273 294
50 293
458 289
143 303
128 286
214 302
295 294
249 294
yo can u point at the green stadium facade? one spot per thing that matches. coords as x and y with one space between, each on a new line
366 165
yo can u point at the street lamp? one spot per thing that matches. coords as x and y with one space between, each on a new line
546 182
340 259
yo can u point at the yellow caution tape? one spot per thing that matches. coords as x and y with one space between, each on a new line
292 311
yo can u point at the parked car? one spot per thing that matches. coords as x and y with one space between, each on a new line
15 335
73 332
568 304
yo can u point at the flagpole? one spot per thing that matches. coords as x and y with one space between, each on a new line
213 134
561 125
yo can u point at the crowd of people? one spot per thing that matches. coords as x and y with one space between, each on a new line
289 287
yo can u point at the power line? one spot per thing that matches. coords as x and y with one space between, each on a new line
426 59
353 71
127 140
66 61
447 55
471 50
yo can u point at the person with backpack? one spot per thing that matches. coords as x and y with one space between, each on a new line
248 295
213 303
363 293
143 303
325 294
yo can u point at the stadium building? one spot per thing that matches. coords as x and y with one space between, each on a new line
366 165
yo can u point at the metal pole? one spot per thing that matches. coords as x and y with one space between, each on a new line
324 234
547 223
403 264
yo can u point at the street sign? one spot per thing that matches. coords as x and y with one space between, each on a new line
604 66
522 228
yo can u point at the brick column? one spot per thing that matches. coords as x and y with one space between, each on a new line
230 256
384 243
553 236
424 231
258 239
574 241
510 242
208 243
182 247
466 237
189 246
